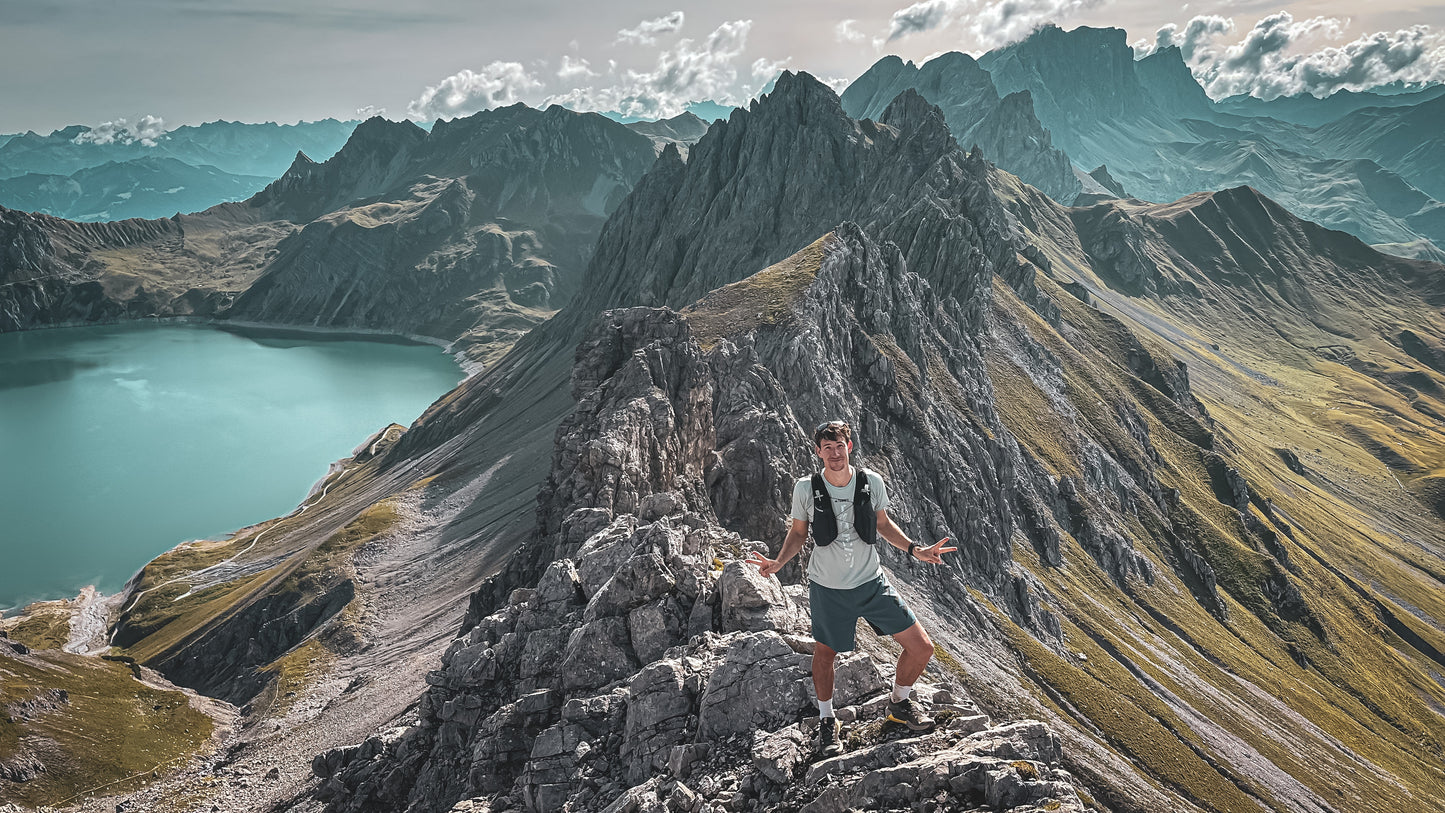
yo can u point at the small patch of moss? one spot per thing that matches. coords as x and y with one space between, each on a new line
865 735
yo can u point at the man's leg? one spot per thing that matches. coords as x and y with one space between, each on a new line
829 742
823 658
917 652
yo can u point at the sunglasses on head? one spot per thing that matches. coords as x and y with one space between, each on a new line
830 424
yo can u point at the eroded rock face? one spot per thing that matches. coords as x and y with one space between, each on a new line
673 679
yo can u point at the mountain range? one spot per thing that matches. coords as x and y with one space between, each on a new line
471 234
1162 138
1192 450
139 188
79 174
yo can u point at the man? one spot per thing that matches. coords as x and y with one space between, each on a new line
847 509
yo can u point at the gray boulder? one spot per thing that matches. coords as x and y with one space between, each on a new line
597 654
760 683
640 579
658 711
751 602
655 627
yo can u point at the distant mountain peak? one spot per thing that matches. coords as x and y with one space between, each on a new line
801 87
911 113
377 129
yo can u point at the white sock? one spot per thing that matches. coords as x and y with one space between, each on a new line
825 708
900 693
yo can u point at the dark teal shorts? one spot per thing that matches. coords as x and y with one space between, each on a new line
836 612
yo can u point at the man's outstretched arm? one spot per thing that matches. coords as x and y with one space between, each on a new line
898 539
797 535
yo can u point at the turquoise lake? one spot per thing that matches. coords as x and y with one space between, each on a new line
119 442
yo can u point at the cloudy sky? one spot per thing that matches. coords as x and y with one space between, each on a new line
156 64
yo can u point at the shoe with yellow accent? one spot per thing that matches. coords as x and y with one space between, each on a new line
829 743
910 713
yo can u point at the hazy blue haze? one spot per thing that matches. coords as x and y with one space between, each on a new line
118 442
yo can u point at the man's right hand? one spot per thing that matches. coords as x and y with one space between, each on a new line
767 567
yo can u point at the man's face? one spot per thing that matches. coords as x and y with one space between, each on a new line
835 453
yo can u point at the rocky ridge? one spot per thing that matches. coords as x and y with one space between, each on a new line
681 681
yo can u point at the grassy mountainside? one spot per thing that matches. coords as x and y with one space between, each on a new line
1312 635
71 725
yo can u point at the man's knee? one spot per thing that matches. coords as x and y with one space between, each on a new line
823 655
915 641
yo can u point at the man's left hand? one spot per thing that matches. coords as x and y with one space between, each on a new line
933 553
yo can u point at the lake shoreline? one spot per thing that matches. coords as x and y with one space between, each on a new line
242 327
76 487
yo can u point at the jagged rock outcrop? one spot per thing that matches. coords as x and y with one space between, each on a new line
799 163
1102 176
1005 129
572 694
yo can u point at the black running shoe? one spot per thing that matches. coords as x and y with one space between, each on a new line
829 745
909 713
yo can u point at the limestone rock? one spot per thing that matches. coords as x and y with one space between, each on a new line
751 602
760 683
597 654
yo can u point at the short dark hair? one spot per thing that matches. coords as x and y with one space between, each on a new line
832 430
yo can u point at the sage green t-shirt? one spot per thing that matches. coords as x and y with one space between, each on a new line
848 561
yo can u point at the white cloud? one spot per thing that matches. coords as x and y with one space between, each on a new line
370 111
1008 21
1275 57
647 31
993 24
146 130
845 32
1197 37
767 69
496 85
574 68
690 71
922 16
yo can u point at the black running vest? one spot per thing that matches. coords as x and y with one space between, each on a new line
825 522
